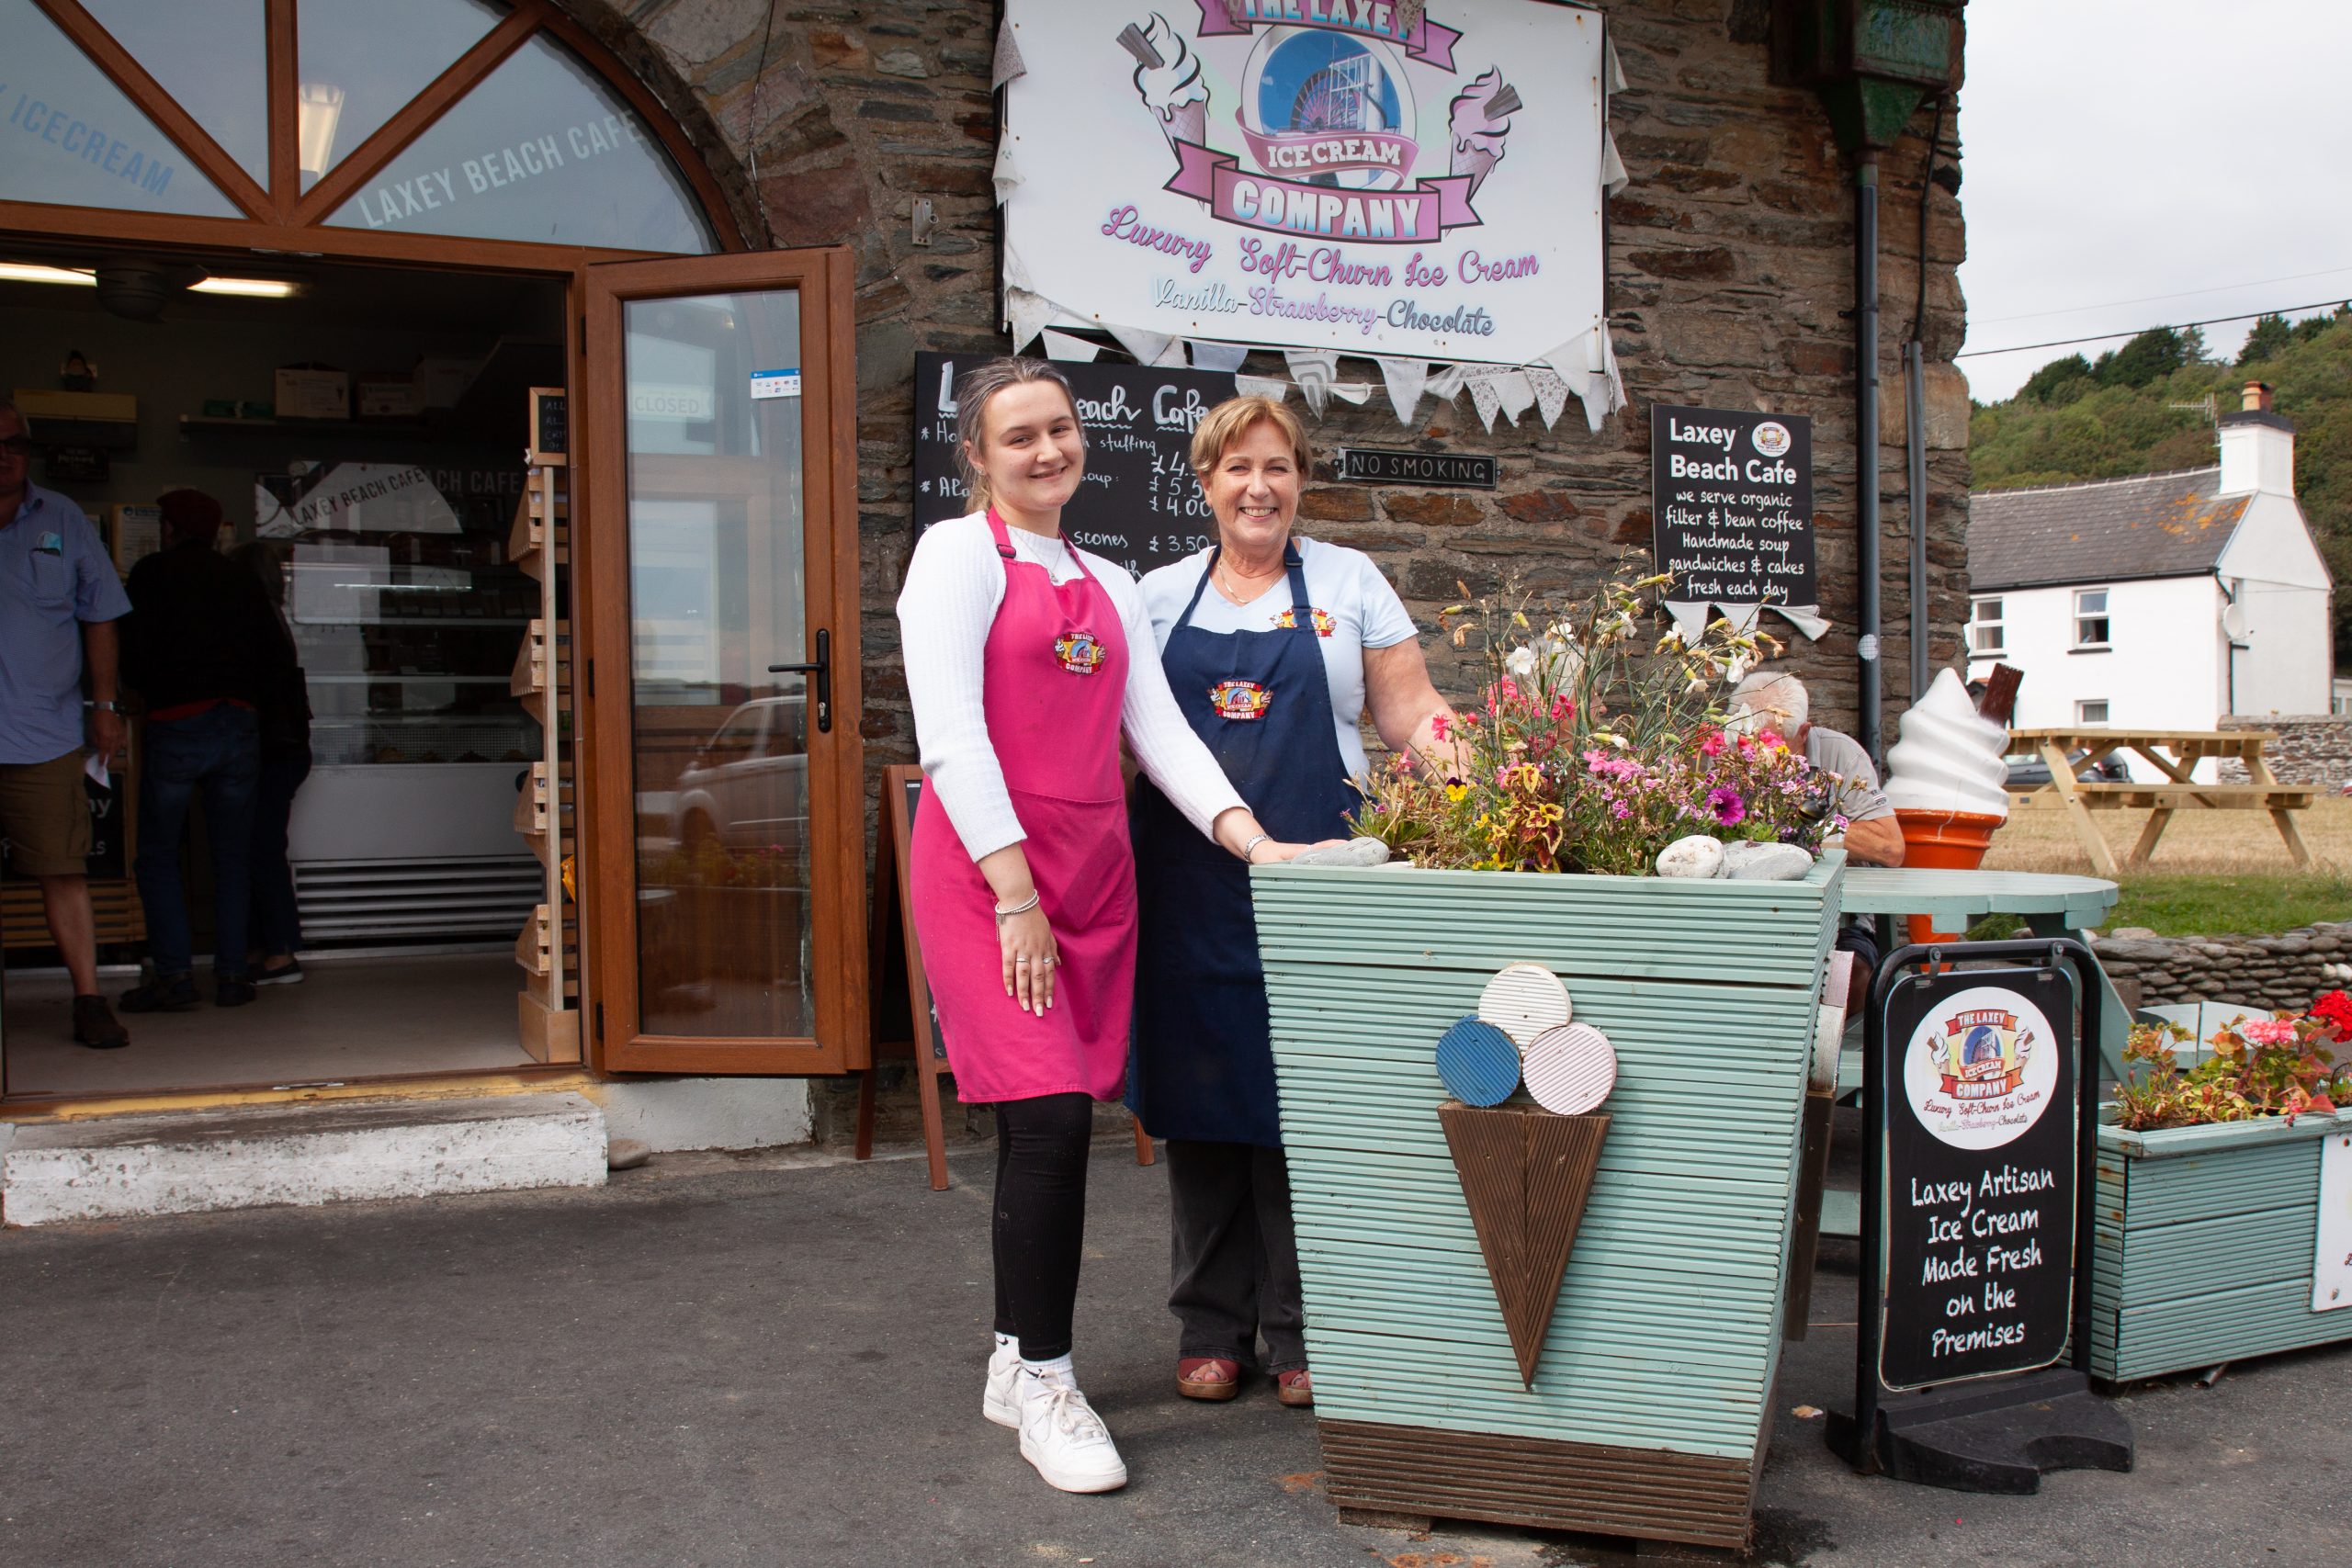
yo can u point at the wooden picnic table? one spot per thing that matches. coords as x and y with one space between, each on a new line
2172 752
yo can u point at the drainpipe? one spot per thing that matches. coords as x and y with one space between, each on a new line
1872 63
1866 480
1914 408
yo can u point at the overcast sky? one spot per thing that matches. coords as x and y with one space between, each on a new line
2119 150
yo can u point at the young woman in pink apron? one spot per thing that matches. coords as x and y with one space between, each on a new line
1025 661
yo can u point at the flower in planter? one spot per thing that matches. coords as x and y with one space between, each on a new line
2278 1065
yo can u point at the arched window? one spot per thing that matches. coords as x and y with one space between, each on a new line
463 120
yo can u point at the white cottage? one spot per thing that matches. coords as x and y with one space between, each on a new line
2164 602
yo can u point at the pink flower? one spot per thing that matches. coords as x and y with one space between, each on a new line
1437 727
1712 745
1621 811
2269 1031
1725 803
1563 708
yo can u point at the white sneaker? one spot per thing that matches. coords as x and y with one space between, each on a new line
1001 1403
1062 1437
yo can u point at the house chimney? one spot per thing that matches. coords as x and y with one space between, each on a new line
2257 447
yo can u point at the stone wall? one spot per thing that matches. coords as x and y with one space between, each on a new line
2257 972
2312 748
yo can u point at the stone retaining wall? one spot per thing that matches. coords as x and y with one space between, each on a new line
2312 748
2258 971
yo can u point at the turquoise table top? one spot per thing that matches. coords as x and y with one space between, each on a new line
1958 897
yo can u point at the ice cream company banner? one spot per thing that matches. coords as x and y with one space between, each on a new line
1312 174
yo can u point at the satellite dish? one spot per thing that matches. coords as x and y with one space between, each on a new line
2233 622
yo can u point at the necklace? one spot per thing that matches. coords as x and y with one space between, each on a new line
1240 595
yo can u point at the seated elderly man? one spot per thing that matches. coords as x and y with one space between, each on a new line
1772 701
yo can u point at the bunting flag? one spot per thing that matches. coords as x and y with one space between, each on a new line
1028 313
1551 393
1485 398
1148 347
1314 369
1404 379
1072 350
1516 393
1691 617
1008 66
1446 384
1223 356
1273 387
1008 174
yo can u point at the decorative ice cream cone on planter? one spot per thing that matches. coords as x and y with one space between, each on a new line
1947 780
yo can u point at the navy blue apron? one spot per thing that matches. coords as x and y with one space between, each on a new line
1202 1067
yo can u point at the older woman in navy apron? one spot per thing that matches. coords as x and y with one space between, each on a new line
1274 647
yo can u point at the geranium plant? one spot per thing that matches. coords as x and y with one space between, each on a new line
1587 750
2280 1066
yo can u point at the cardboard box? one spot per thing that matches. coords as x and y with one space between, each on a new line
313 391
133 532
386 396
441 381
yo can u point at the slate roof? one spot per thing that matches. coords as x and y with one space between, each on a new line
2173 524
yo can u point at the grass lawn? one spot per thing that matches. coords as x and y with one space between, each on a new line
2215 872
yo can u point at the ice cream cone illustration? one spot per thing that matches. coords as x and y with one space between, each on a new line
1479 119
1169 78
1945 779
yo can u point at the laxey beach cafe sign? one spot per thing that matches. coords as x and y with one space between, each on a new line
1980 1145
1732 505
1312 174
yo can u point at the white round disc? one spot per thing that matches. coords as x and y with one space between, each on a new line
1570 1070
1523 1000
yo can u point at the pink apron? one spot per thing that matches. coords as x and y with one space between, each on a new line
1055 675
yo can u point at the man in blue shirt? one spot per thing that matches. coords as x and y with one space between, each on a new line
59 601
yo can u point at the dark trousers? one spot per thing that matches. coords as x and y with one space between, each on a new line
1040 1230
1860 937
276 919
217 751
1234 1261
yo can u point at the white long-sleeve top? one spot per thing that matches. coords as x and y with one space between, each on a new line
953 588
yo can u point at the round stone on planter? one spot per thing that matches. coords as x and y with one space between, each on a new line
1523 1000
1751 861
1571 1069
1697 856
1478 1063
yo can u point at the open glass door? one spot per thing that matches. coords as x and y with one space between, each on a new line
719 558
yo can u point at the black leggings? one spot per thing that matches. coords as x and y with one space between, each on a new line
1041 1148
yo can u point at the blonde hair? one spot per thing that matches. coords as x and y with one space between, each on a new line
1231 420
972 398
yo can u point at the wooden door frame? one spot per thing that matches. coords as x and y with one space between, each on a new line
604 735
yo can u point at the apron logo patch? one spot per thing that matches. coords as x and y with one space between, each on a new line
1323 625
1239 699
1078 653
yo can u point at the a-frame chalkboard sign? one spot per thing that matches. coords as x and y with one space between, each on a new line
1980 1116
895 959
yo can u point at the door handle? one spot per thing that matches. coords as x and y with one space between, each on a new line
821 672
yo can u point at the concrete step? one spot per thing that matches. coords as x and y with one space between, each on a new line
252 1156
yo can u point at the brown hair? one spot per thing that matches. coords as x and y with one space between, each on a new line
1236 417
972 396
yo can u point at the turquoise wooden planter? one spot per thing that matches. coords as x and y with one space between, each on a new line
1650 1405
2206 1238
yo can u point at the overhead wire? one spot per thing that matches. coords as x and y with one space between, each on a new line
2173 326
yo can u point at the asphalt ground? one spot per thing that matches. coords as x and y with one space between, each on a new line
723 1361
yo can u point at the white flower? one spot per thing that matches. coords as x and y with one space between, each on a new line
1737 669
1520 662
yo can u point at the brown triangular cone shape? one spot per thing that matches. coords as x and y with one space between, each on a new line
1526 1175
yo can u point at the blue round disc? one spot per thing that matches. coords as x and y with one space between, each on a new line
1478 1063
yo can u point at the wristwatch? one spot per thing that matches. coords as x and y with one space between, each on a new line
107 707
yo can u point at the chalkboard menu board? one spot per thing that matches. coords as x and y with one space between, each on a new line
1140 505
1732 505
1980 1144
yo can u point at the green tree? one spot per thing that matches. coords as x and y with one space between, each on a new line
2154 354
2270 334
2044 385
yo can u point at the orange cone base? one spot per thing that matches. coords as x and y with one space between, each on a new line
1943 841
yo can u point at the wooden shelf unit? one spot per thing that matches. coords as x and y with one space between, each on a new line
547 1009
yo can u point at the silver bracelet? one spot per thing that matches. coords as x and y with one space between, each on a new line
1004 914
1250 849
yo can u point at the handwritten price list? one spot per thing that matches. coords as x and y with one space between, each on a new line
1139 504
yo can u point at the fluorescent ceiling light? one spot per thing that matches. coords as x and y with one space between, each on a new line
251 287
22 272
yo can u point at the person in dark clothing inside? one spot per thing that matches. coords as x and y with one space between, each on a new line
201 645
277 930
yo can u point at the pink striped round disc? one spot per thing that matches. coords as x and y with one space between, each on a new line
1523 1000
1570 1070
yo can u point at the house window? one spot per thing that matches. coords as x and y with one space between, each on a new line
2090 617
1985 629
2091 713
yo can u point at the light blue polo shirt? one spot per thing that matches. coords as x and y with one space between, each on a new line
54 575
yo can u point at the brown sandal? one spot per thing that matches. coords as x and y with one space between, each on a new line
1295 1388
1208 1377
